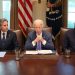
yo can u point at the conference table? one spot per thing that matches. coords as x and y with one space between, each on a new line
49 64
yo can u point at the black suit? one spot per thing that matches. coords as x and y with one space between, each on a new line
10 43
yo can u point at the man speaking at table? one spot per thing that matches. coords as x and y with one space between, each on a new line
39 39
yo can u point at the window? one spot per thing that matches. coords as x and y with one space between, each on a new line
5 10
71 13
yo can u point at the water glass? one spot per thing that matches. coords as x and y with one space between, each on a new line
67 53
17 54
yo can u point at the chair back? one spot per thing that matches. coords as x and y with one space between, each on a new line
62 32
48 29
59 39
20 37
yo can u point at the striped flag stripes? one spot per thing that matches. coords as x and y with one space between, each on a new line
24 14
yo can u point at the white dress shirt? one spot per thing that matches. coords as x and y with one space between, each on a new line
2 34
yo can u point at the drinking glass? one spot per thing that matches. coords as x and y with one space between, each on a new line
17 54
67 53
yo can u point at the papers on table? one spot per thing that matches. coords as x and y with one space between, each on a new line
31 52
39 52
2 54
45 51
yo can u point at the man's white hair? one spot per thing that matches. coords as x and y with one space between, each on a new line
38 21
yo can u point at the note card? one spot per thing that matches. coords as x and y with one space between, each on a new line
45 51
31 52
2 54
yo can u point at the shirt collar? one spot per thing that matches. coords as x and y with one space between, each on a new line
40 34
3 32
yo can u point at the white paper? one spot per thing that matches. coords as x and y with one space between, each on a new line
39 52
45 51
2 54
31 52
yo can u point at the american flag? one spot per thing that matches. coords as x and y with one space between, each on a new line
24 14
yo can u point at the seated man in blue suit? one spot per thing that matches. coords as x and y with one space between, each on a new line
38 35
8 39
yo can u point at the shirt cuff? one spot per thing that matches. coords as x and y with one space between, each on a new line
44 42
33 43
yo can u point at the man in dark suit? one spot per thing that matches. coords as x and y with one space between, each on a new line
69 40
8 39
38 35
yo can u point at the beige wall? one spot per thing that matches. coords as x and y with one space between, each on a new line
39 10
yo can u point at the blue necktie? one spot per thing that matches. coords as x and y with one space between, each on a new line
38 46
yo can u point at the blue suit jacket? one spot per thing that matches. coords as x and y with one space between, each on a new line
32 35
10 43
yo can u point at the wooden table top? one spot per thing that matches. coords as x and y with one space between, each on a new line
37 65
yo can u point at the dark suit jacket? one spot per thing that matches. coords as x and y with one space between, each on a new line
10 43
69 40
32 35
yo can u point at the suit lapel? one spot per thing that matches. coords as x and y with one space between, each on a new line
0 34
42 34
8 34
34 34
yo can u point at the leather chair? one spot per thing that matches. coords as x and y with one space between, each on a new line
47 29
20 38
59 39
62 32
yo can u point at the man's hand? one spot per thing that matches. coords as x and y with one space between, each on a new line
37 39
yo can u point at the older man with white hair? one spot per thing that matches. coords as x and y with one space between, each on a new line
39 39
